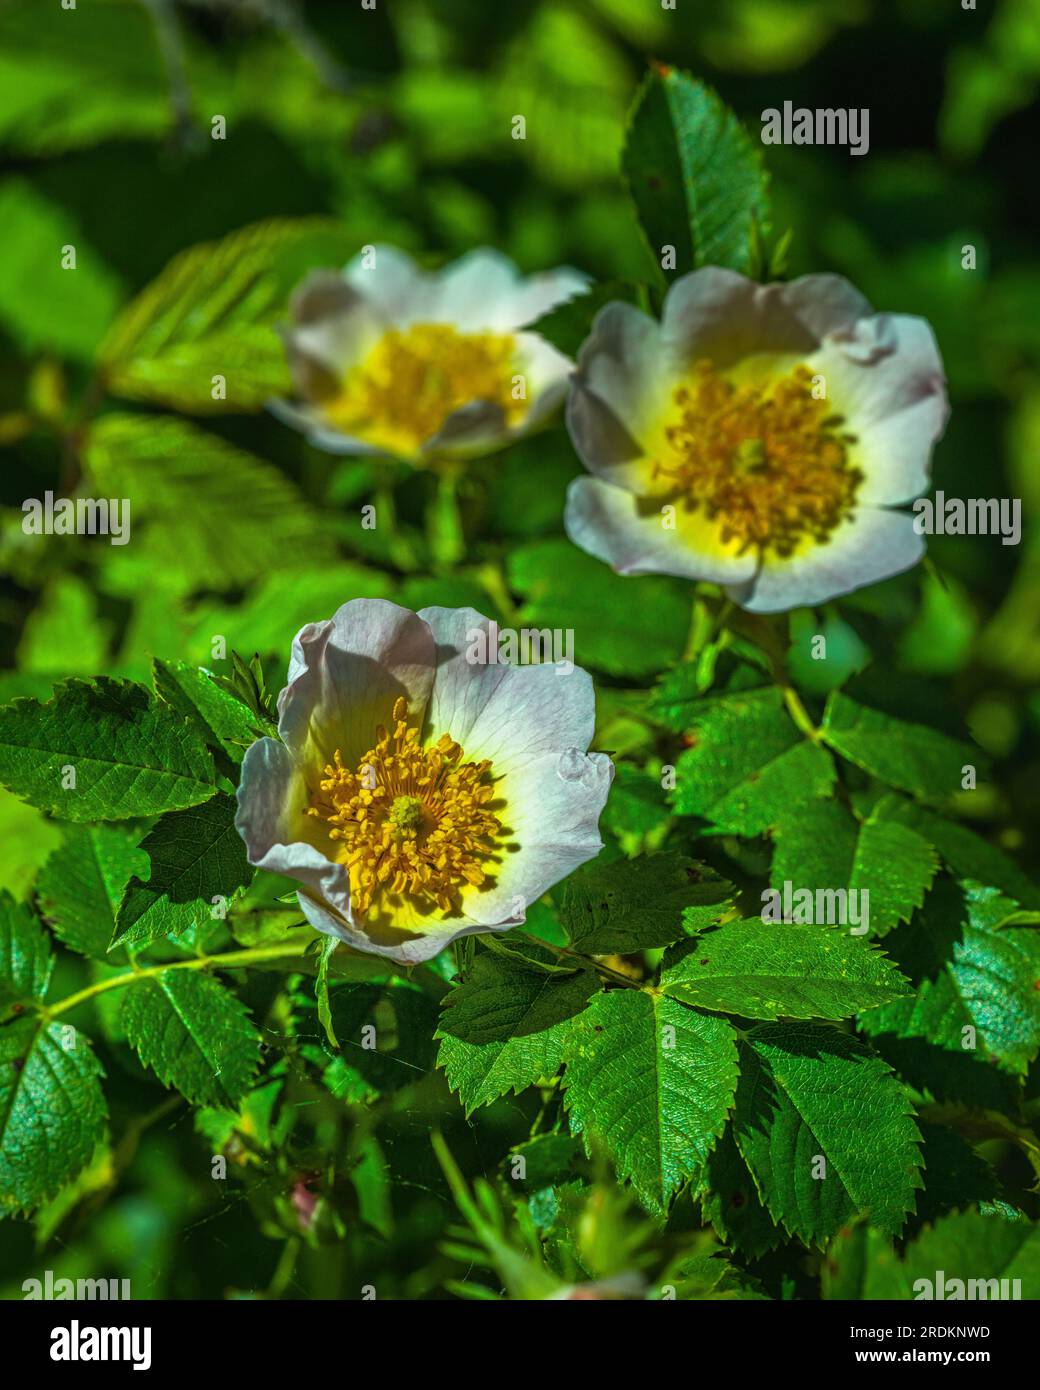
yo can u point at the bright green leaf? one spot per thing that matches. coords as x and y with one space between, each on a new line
194 1034
770 970
131 756
748 765
82 883
697 179
826 1130
631 905
52 1109
909 756
26 960
196 855
653 1082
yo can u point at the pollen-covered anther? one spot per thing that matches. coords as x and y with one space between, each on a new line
402 392
769 463
411 820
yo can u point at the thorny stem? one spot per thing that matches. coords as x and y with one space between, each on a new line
227 960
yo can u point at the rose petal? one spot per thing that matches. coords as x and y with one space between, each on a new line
552 806
509 714
872 545
720 315
345 675
615 526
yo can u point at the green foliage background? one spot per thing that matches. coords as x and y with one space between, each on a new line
393 126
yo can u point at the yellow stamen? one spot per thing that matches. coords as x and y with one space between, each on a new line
770 463
414 378
411 821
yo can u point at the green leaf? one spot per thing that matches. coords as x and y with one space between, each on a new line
115 63
206 514
631 905
623 626
548 1159
26 960
27 838
221 720
385 1033
481 1072
748 766
824 847
808 1093
569 324
212 311
975 977
730 1201
636 805
967 855
974 1252
43 305
504 1028
321 988
911 757
653 1082
770 970
62 634
698 181
81 886
131 755
568 78
500 999
52 1109
196 855
193 1033
284 603
956 1175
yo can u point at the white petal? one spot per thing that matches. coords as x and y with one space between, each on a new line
720 315
872 545
476 428
310 421
552 809
628 534
407 948
623 364
278 835
540 293
895 405
509 714
345 675
332 325
398 290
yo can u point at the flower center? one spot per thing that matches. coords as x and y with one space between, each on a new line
411 820
769 462
414 378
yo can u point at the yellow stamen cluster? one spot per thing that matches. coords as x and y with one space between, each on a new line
415 377
411 820
770 463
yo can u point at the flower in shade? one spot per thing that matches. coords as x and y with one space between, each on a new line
418 794
761 437
390 359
